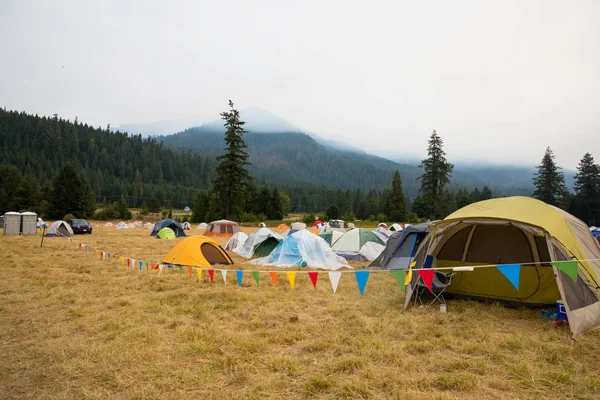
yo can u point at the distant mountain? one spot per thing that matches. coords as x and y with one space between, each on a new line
157 128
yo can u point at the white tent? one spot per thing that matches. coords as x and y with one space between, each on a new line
382 233
396 228
236 242
186 225
108 224
262 225
359 244
256 239
298 225
122 225
203 225
303 248
59 228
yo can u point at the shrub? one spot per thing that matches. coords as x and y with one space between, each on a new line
68 217
308 219
144 209
412 218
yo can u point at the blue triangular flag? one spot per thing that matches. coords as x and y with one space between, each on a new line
512 272
141 265
240 275
362 277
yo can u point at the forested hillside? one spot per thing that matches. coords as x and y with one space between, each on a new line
116 164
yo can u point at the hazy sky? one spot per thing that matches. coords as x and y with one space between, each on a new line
499 80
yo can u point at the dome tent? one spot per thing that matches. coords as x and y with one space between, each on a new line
262 225
519 231
186 226
236 242
359 244
165 233
396 228
168 223
301 249
382 233
197 251
401 247
222 227
331 236
122 225
108 225
186 208
59 228
202 225
260 244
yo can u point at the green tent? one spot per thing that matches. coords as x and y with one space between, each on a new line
165 233
331 236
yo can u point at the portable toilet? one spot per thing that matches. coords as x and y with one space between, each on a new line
12 223
28 223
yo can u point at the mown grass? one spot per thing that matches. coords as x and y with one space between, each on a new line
73 326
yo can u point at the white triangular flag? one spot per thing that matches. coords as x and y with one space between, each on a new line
160 267
334 277
224 273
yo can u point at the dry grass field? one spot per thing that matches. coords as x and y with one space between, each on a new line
74 326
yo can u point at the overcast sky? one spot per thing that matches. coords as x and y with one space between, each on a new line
499 80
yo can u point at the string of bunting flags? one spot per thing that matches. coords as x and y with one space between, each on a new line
512 272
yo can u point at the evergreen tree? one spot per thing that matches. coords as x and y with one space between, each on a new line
232 175
27 195
436 175
66 193
396 203
201 207
286 203
121 209
421 207
10 178
587 190
87 205
275 206
264 203
486 193
549 181
333 212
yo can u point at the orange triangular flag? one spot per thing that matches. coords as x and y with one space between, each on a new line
273 277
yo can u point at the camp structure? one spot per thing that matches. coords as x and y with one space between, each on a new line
396 227
523 237
382 225
186 226
202 225
382 233
28 223
298 226
283 226
166 233
186 208
260 244
12 223
596 234
401 247
262 225
350 226
317 224
122 225
359 244
222 228
331 237
108 225
168 223
59 228
301 249
197 251
236 242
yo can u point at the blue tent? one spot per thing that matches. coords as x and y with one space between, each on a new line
186 208
596 234
401 247
168 223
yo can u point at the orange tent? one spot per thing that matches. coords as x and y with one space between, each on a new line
222 227
283 226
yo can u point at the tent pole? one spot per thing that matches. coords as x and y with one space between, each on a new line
43 234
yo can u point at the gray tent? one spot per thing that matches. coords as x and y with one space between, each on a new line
401 247
59 228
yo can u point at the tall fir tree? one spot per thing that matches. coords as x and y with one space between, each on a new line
396 202
587 190
10 179
27 195
232 175
436 175
65 197
549 181
87 203
276 206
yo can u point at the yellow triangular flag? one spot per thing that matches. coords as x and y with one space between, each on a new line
199 271
122 261
292 278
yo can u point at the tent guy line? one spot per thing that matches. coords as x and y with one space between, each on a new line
464 268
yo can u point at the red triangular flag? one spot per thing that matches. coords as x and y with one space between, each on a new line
190 271
427 276
211 274
273 277
313 277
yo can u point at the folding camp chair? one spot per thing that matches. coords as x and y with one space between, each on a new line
441 281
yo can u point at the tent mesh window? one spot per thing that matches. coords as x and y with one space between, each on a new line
212 254
222 229
229 229
499 245
578 294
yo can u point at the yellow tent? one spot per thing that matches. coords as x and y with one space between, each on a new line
197 251
524 231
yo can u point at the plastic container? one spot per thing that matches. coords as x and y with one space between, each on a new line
443 308
561 312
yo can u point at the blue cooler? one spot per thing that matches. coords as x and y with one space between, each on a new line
561 312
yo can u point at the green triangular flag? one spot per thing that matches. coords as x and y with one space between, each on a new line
570 268
398 275
255 276
180 270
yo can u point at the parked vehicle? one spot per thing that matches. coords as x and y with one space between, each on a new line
80 226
